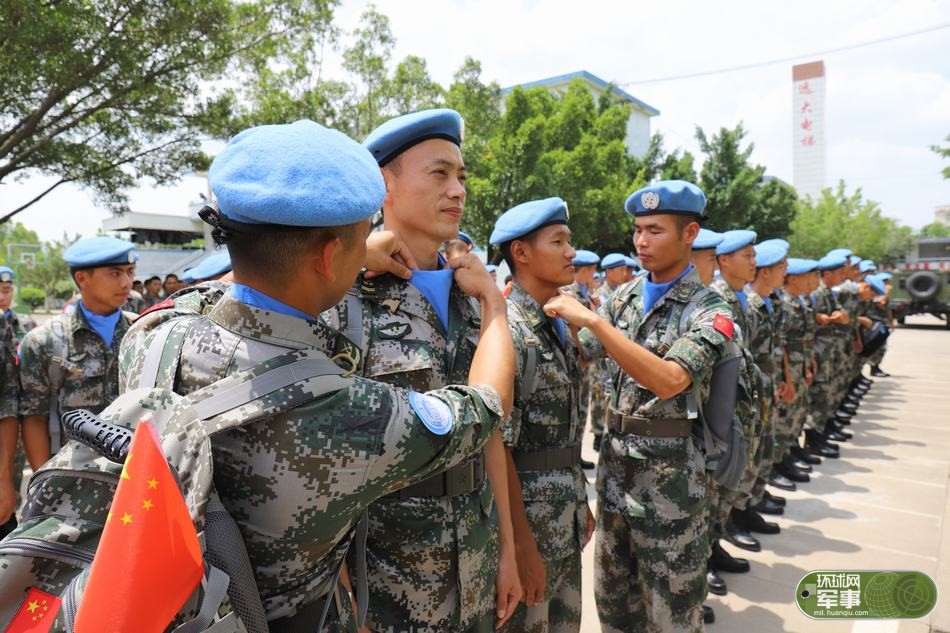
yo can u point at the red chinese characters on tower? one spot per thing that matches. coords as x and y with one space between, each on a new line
808 141
807 124
806 107
804 88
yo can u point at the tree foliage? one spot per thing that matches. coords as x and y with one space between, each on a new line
935 229
945 153
838 219
106 93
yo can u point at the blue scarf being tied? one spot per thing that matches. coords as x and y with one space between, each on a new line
104 326
653 292
256 298
435 286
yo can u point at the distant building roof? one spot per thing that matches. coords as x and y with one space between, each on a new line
161 261
594 79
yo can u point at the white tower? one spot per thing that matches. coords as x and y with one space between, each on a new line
808 128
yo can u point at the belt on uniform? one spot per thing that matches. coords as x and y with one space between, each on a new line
649 427
548 458
458 480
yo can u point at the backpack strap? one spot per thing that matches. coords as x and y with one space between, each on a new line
57 376
354 319
159 352
529 375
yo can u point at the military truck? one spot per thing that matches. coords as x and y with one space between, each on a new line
921 284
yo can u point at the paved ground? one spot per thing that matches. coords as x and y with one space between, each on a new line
885 504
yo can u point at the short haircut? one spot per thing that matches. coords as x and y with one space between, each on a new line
506 248
276 254
171 276
153 278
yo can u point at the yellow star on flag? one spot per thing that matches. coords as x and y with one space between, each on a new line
126 518
125 469
147 504
153 483
33 606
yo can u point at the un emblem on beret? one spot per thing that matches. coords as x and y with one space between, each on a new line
6 277
131 257
650 200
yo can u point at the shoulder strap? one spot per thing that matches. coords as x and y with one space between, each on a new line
354 320
159 351
60 351
529 377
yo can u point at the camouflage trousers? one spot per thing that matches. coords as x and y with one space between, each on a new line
432 563
560 612
599 402
763 465
652 537
788 421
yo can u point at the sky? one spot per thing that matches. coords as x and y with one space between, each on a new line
885 104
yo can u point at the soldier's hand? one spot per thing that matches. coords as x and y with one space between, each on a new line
532 571
507 589
472 278
822 319
386 253
589 530
570 309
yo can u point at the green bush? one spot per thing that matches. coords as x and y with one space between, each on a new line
32 296
64 289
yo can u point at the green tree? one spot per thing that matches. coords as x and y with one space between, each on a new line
731 184
935 229
103 94
944 152
838 219
32 296
49 270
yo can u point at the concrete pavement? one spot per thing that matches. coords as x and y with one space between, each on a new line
885 504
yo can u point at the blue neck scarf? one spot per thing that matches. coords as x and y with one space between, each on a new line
104 326
9 314
558 324
653 292
768 304
256 298
435 286
743 300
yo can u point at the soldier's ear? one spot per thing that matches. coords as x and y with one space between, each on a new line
324 258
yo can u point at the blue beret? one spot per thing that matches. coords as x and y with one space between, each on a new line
465 238
707 239
301 174
667 196
777 241
876 283
7 274
854 260
832 261
526 217
613 260
632 262
769 254
734 240
867 266
798 266
884 276
91 252
213 265
395 136
188 276
844 252
585 258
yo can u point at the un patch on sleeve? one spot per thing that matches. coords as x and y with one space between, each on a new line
435 414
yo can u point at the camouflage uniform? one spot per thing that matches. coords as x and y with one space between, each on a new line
432 560
798 343
764 339
821 393
21 324
15 327
846 293
591 374
781 320
90 370
555 499
601 371
135 303
876 312
297 482
652 542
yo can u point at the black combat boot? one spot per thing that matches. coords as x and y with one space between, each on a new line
877 372
755 523
738 535
839 429
779 480
805 456
708 615
849 408
793 462
767 506
724 561
715 582
777 499
818 446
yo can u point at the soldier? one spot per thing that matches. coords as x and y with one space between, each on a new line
71 361
550 514
735 256
828 315
12 458
703 255
460 246
297 482
666 331
582 288
153 291
441 553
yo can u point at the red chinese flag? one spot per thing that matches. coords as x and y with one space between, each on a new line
149 560
36 614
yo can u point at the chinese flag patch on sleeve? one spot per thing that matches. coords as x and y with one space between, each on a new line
36 613
724 326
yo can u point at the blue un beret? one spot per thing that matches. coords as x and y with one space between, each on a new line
301 174
884 276
211 266
526 217
832 261
585 258
613 260
395 136
188 276
465 238
7 274
854 260
844 252
667 196
876 283
867 266
777 241
491 268
92 252
707 239
798 266
734 240
769 254
632 262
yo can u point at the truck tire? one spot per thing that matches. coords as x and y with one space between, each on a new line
923 285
